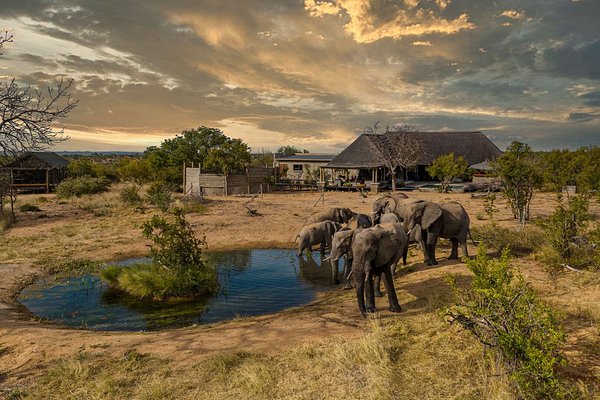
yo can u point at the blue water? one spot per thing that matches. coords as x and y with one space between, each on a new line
253 282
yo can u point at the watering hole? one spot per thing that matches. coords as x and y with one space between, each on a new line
252 282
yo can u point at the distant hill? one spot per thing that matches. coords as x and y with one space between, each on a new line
100 153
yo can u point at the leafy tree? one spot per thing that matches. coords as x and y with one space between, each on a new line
447 168
135 170
588 176
262 159
231 157
520 176
191 146
290 150
85 167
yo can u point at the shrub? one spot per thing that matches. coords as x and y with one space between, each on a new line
76 187
159 195
507 318
43 199
178 267
130 194
29 207
518 241
73 267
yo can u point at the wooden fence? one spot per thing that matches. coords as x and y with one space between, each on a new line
211 184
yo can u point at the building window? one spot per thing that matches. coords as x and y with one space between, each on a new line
297 167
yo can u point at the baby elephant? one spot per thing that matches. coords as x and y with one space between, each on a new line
360 221
317 233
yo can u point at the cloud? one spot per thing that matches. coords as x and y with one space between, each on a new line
368 23
513 14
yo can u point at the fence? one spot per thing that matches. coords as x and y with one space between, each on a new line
211 184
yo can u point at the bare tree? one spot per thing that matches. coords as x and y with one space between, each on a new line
400 147
26 121
27 114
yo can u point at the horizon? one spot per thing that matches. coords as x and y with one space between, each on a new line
310 73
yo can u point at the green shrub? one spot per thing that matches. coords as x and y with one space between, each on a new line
178 267
159 195
73 267
519 241
130 194
76 187
29 207
43 199
507 318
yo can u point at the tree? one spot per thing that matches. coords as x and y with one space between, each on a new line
262 159
191 146
231 157
517 169
290 150
27 116
135 170
447 168
400 147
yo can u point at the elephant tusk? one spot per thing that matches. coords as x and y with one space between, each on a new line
409 231
349 275
327 258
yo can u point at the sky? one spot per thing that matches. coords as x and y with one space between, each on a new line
312 73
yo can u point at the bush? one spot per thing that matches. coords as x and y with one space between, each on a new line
159 195
518 241
178 267
29 207
507 318
76 187
130 194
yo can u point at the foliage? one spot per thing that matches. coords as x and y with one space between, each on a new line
447 168
506 317
290 150
311 174
135 170
232 156
130 195
191 146
524 241
178 267
76 187
262 159
73 267
27 207
520 176
159 195
85 167
489 207
563 167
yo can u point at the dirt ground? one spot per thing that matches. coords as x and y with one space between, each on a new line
94 228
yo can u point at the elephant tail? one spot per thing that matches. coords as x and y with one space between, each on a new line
471 237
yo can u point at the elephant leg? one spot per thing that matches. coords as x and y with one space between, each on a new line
377 285
335 266
359 282
424 246
388 281
454 252
347 270
323 248
431 244
404 255
370 296
465 252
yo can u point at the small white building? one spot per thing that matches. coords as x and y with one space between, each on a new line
302 166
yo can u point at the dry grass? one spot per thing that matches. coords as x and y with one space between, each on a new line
419 359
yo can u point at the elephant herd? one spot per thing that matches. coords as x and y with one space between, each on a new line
374 244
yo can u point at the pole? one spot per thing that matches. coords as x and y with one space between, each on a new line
184 179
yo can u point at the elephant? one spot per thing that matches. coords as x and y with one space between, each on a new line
341 246
388 217
317 233
360 221
340 215
391 203
449 221
376 250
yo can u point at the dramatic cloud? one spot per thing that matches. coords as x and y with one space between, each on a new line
313 72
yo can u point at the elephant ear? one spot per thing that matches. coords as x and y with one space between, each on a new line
390 205
431 213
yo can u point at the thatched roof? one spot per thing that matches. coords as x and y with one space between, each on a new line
475 147
39 159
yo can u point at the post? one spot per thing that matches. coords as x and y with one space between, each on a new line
184 179
47 180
